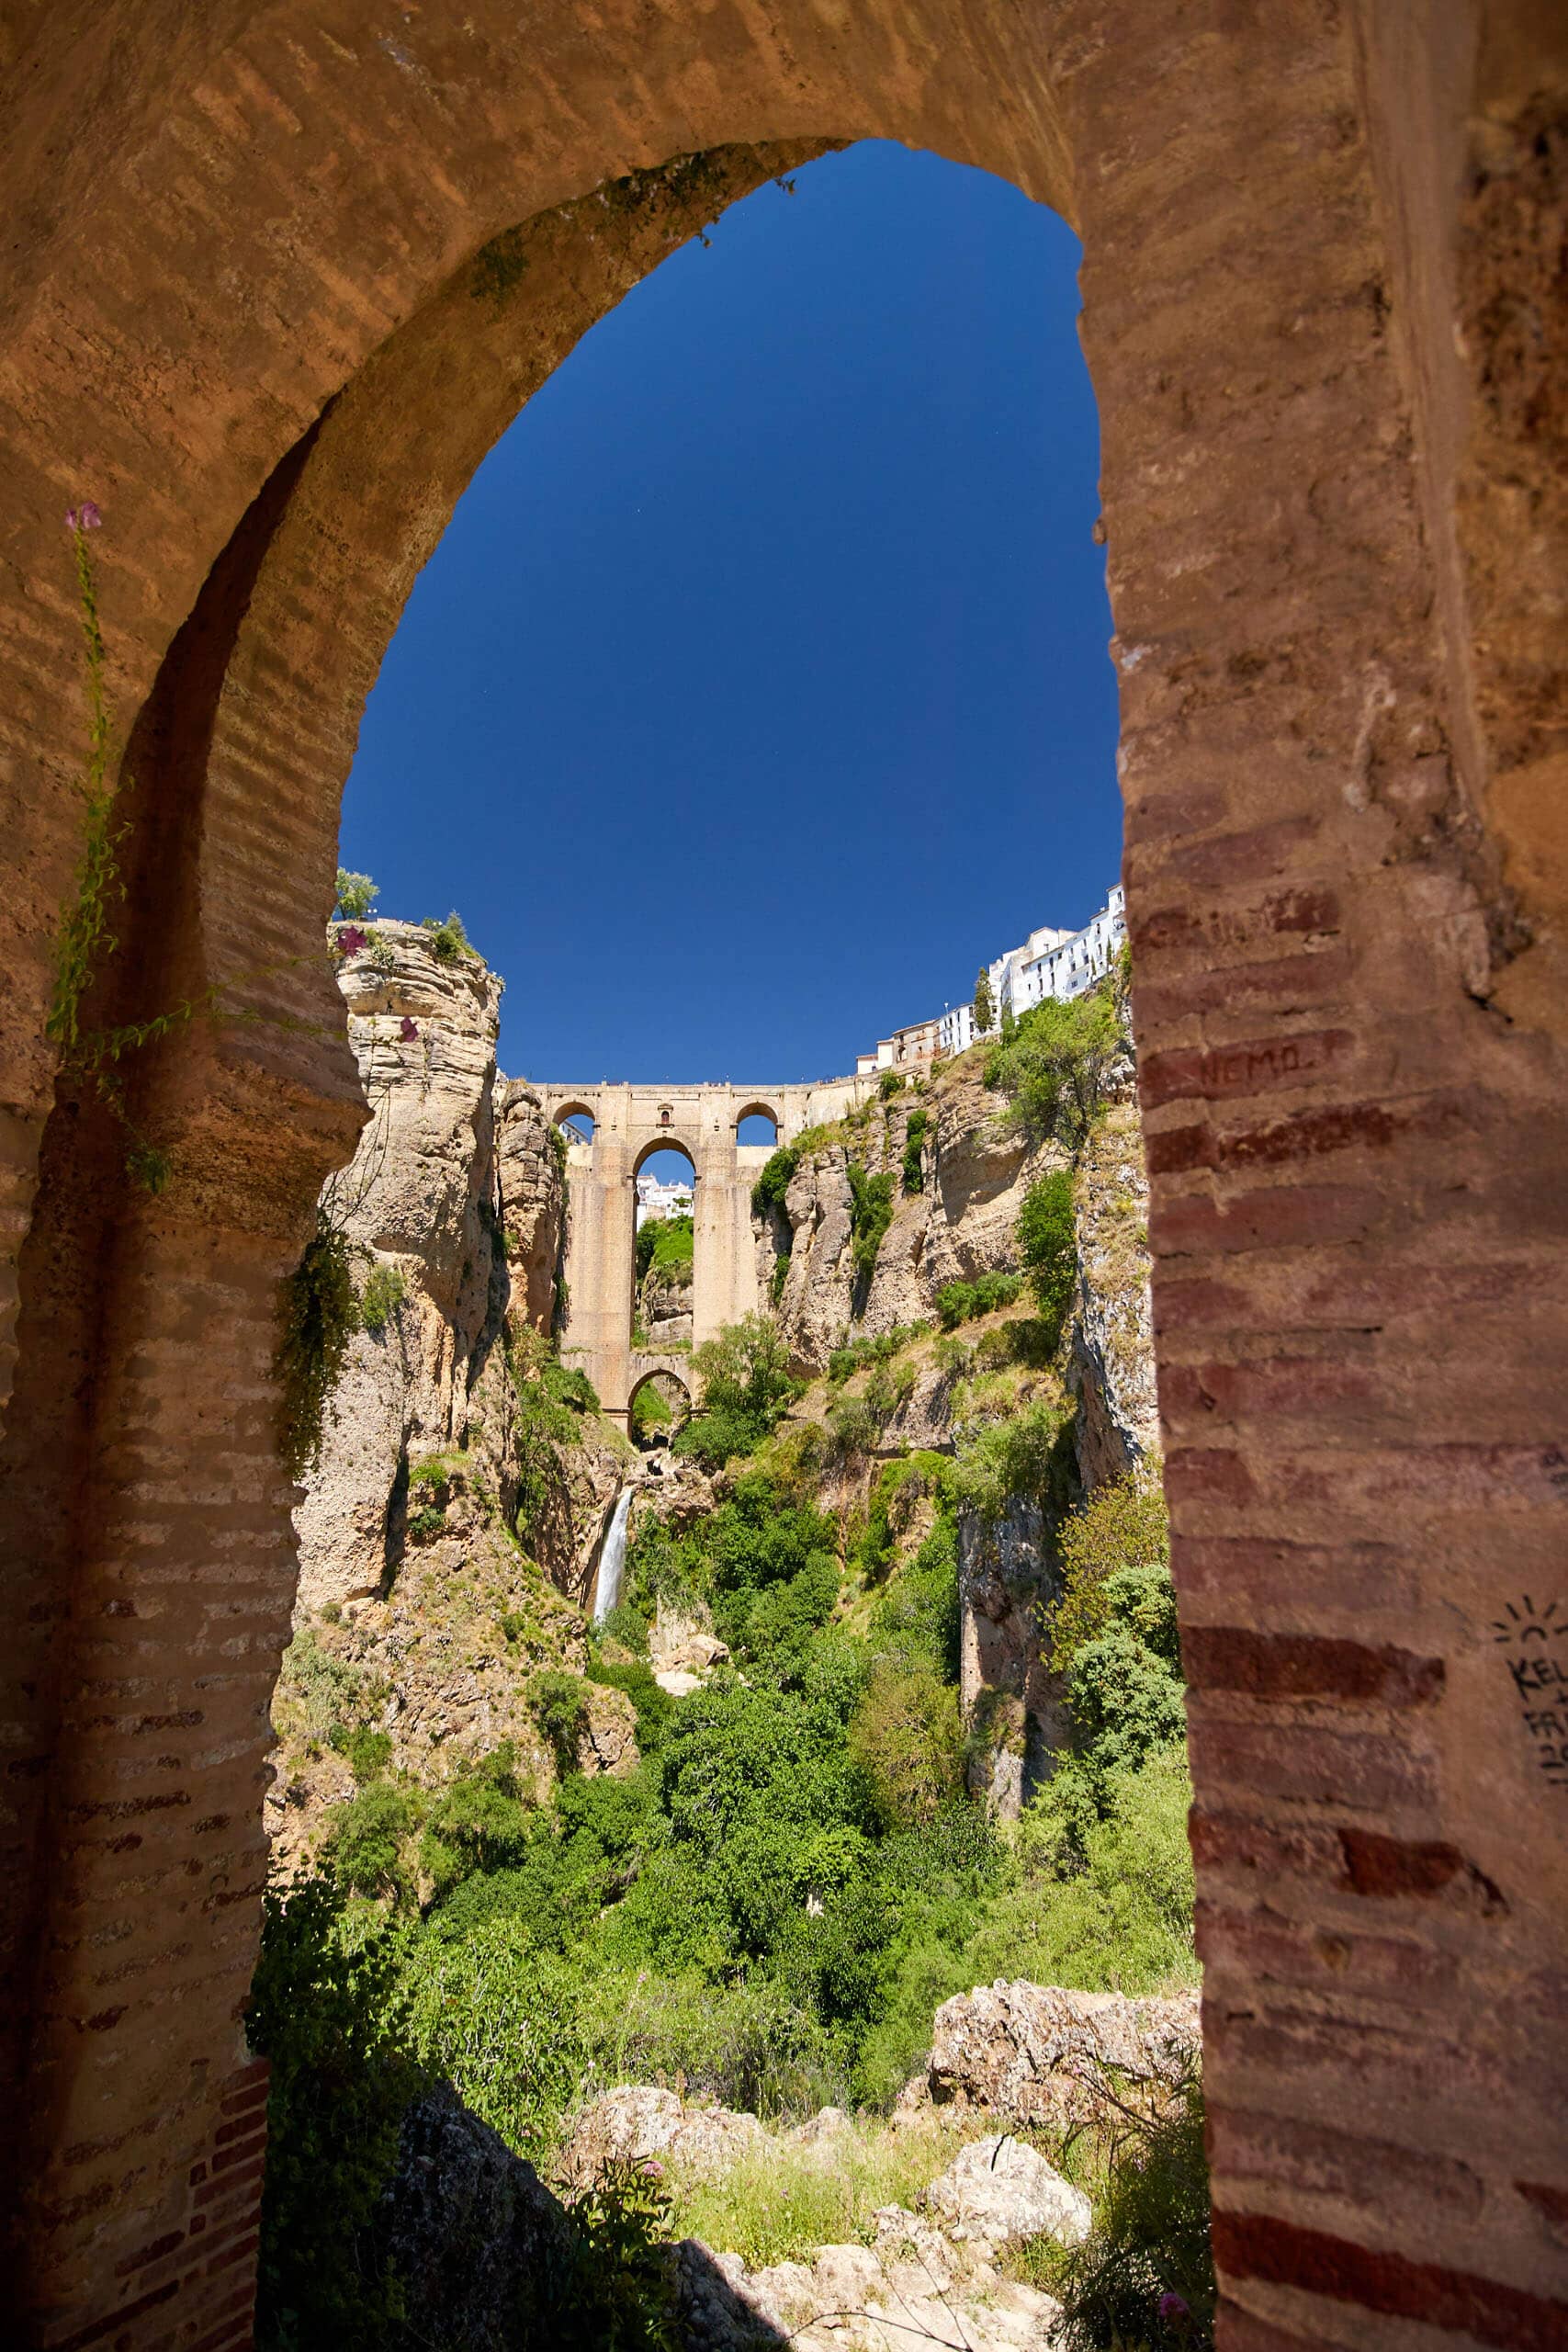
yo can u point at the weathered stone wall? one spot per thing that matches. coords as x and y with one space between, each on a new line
240 308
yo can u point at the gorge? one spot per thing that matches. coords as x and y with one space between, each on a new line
531 1627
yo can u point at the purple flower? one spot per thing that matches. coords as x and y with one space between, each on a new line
1173 2307
349 941
89 516
72 518
409 1031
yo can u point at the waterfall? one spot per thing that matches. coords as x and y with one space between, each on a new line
607 1589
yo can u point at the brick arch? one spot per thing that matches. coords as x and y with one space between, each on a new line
1348 1151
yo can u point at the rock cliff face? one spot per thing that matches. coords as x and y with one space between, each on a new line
455 1204
958 1224
439 1531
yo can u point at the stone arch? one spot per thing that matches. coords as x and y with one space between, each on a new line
665 1369
573 1109
759 1108
1312 899
674 1139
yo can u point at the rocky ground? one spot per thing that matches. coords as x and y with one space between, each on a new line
1018 2073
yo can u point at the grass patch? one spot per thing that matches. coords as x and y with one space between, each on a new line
782 2203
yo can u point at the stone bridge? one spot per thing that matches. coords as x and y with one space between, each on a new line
630 1124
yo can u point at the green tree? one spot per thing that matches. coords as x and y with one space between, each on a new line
914 1147
326 2010
357 894
746 1385
984 1004
871 1214
907 1739
1126 1525
561 1707
1046 1243
1053 1072
366 1848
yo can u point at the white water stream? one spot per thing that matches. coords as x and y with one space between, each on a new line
607 1591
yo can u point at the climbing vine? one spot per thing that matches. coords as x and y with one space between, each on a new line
84 934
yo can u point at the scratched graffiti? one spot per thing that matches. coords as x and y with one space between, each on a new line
1539 1673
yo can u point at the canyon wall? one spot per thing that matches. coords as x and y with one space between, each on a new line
454 1206
443 1507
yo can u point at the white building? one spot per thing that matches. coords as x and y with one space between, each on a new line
654 1199
1050 963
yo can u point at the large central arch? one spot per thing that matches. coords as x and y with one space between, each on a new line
277 277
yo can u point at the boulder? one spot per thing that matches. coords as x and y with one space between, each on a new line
1003 2191
637 2120
1039 2055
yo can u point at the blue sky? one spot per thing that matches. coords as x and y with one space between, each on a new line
759 688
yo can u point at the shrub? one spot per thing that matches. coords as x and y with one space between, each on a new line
1100 1885
357 894
957 1302
626 1625
653 1706
1124 1685
871 1214
480 1822
954 1305
1146 2273
746 1385
1047 1245
889 1084
1124 1526
316 1691
497 2018
368 1752
448 940
907 1740
1025 1458
325 2009
917 1614
749 2044
365 1850
561 1708
914 1142
319 1314
772 1186
385 1290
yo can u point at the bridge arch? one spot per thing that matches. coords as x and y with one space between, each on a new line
574 1108
672 1140
759 1108
674 1370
